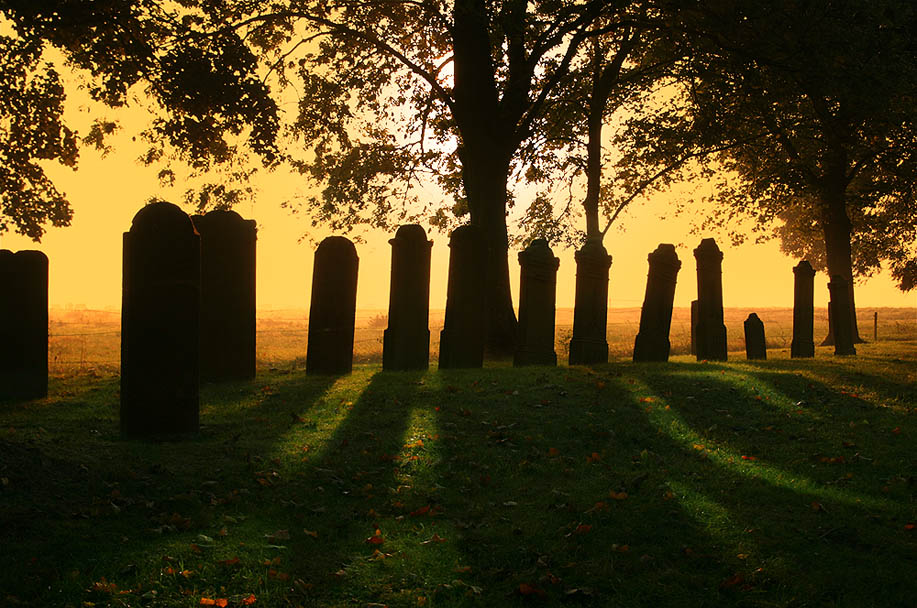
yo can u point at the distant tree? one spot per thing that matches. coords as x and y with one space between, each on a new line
203 92
811 108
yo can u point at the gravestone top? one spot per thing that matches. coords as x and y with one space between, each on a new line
665 254
337 246
539 253
804 268
161 217
708 251
410 232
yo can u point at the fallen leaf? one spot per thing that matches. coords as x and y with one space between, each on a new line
527 589
436 538
618 495
595 457
229 562
553 452
908 526
749 458
278 576
311 533
732 581
582 529
278 535
421 511
375 539
221 601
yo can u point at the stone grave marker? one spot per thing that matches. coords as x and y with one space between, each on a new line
333 308
755 344
537 297
160 329
23 324
461 342
589 343
406 341
711 332
693 327
652 342
227 295
803 345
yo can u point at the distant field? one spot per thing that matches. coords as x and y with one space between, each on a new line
90 340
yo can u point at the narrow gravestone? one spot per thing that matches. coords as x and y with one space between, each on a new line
711 332
537 297
461 342
333 309
803 345
23 325
841 325
755 343
160 328
652 342
406 342
590 313
227 295
693 327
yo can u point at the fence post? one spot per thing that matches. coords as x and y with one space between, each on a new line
875 326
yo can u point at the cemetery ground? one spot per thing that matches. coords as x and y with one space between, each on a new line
768 483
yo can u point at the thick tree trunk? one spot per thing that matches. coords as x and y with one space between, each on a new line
837 228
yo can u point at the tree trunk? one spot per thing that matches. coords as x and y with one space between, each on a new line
837 228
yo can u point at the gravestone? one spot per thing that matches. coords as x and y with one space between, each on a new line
841 325
693 327
160 329
711 332
652 342
333 308
755 344
537 297
803 345
406 341
23 324
227 295
590 313
461 342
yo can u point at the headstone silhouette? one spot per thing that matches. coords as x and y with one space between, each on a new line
227 295
537 297
23 324
333 309
839 307
652 342
693 327
461 342
711 332
803 345
755 343
160 328
590 313
406 342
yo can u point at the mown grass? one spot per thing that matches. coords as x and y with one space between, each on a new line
775 483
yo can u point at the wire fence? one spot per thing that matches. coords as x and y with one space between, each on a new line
93 344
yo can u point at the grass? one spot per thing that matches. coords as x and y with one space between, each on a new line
775 483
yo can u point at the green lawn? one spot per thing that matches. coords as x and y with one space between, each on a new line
777 483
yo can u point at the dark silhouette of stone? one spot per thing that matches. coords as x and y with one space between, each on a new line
406 342
589 344
23 325
227 295
711 332
693 327
839 319
461 342
537 297
652 342
332 312
160 329
803 345
755 344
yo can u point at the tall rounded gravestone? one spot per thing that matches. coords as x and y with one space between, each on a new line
160 310
461 342
537 298
227 295
333 308
23 324
406 341
589 343
803 344
711 331
652 342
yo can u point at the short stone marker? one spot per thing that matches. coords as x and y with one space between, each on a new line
160 329
803 345
461 342
227 295
693 327
406 341
589 343
23 324
841 316
332 312
537 297
652 342
711 332
755 344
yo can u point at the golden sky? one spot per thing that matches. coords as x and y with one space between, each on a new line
106 192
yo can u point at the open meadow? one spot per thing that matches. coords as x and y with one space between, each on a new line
768 483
